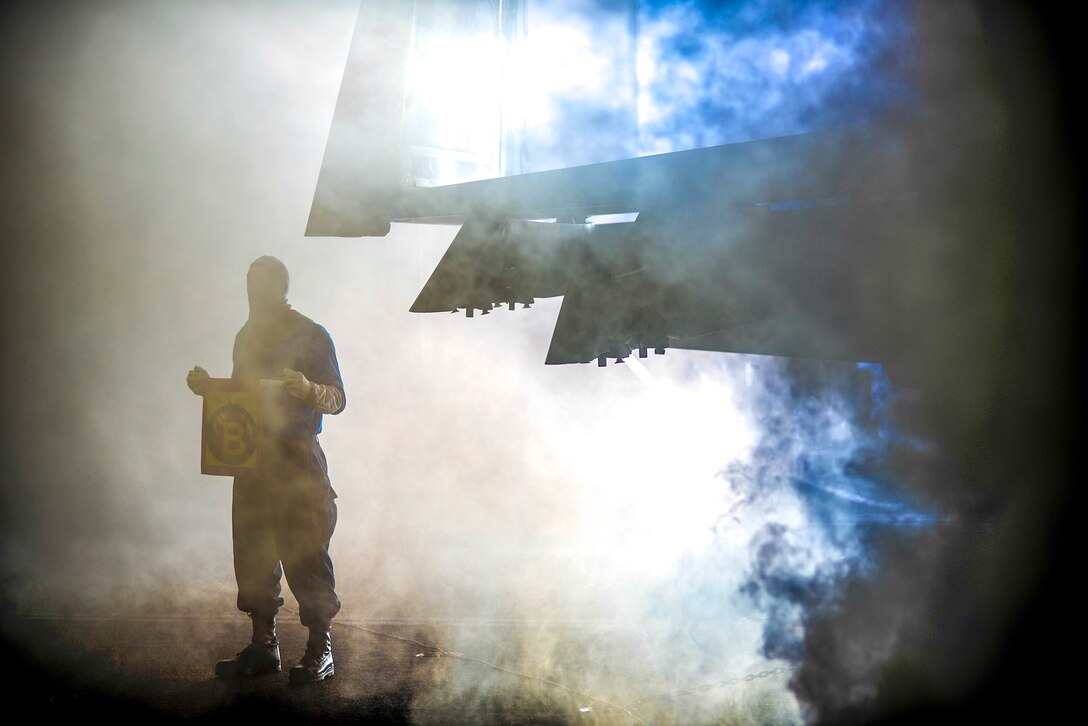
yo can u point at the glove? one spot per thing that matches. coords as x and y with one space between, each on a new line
296 384
196 380
322 397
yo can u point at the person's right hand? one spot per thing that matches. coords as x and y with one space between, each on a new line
196 380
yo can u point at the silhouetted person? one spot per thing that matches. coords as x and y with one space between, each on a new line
284 518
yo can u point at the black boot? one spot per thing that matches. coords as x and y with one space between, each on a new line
261 657
316 665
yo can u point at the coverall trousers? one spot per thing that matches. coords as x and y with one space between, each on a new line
283 521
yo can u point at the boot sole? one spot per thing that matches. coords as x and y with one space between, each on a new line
296 678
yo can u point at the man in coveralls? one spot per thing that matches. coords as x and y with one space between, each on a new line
284 518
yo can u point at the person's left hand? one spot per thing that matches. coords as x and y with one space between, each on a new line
296 384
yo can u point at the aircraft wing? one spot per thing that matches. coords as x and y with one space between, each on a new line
798 254
808 245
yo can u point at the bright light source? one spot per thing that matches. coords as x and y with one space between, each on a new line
452 108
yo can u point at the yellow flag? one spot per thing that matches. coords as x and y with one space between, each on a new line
229 438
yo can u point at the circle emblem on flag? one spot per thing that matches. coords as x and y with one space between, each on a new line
233 434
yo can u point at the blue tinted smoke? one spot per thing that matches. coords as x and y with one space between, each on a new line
716 73
834 436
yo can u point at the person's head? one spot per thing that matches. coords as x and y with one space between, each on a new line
266 283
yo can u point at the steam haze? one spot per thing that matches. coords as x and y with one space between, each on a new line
721 512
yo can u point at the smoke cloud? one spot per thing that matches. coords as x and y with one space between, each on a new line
695 538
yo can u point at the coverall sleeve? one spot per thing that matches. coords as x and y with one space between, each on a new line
328 392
